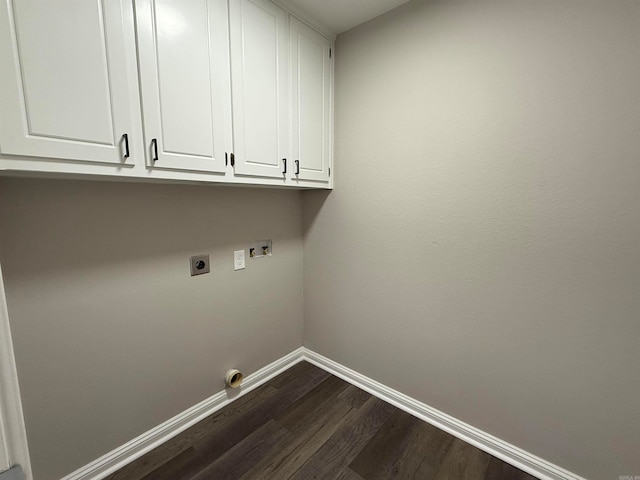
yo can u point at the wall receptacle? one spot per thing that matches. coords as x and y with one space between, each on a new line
238 260
199 264
261 248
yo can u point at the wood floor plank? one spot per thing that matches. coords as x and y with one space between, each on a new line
354 396
181 467
379 457
463 462
427 449
345 444
207 427
307 439
297 415
348 474
222 418
300 372
499 470
245 454
216 444
307 424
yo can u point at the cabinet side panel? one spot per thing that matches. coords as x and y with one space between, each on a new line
311 100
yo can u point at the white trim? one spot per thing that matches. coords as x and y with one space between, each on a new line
299 15
511 454
121 456
4 447
13 436
146 442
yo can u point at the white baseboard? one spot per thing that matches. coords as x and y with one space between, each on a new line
127 453
511 454
146 442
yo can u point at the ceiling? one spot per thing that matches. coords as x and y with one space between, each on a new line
336 16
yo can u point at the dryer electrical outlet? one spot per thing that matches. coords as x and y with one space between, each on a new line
199 264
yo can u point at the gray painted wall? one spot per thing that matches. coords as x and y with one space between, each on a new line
481 250
112 336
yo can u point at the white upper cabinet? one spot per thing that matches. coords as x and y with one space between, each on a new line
228 91
260 88
183 48
64 85
311 103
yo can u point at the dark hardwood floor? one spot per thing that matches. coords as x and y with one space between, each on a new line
307 424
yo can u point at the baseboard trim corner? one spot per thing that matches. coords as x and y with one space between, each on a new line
511 454
127 453
130 451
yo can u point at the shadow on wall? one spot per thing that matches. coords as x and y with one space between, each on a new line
313 203
58 225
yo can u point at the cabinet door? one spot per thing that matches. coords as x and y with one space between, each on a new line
183 50
311 103
64 85
259 78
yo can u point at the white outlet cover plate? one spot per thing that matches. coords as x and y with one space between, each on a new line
238 260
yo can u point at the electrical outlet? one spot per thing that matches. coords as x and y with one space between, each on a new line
199 264
238 260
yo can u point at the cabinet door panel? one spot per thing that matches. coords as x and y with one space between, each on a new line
259 56
184 69
311 100
63 80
